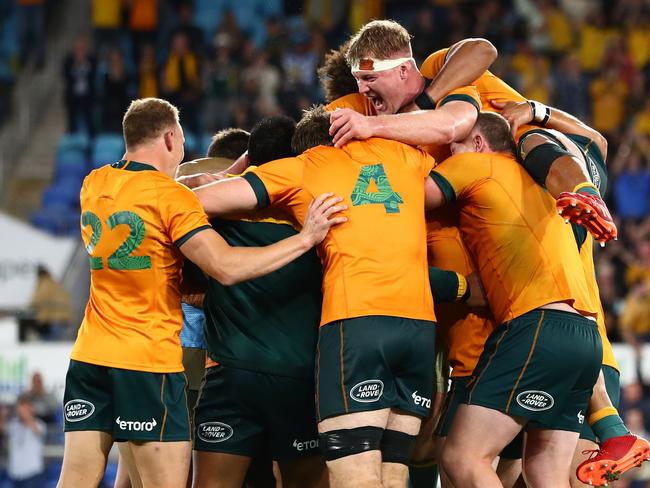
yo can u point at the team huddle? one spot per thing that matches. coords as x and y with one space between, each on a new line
398 287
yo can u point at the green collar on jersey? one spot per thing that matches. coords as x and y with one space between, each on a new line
133 166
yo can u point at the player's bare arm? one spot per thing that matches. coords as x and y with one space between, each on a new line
451 122
520 113
226 196
433 196
230 265
466 61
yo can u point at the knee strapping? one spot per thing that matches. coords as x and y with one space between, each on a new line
397 447
538 161
336 444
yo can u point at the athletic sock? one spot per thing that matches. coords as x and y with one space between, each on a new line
587 189
423 476
606 423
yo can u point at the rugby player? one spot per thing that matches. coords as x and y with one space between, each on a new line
258 395
372 386
537 291
381 46
464 330
125 380
619 449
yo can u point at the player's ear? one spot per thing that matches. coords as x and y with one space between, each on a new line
168 136
479 142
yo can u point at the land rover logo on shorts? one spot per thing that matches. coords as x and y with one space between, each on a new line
214 432
535 400
78 410
367 391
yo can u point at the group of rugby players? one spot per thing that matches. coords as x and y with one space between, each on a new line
415 192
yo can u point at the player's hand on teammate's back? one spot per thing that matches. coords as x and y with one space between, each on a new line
318 222
516 113
346 124
200 179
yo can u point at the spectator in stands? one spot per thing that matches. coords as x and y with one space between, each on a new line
26 438
44 403
265 76
107 23
608 94
79 70
642 121
632 184
143 24
148 73
115 90
221 79
181 81
191 31
571 89
51 305
30 20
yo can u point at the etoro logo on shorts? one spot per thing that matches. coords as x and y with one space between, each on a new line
214 432
305 445
136 425
535 400
77 410
367 391
420 400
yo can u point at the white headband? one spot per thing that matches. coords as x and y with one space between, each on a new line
374 65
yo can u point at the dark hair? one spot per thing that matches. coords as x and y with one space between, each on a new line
312 130
496 131
335 76
271 139
146 119
228 143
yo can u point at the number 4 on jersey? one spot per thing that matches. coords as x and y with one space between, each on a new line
383 194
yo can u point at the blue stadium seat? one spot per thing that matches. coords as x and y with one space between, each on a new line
64 192
70 169
208 15
57 219
107 148
78 142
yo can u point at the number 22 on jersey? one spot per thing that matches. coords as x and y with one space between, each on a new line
380 193
121 259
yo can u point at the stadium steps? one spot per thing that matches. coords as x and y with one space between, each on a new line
29 139
35 166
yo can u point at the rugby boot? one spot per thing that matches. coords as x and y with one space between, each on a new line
589 211
615 456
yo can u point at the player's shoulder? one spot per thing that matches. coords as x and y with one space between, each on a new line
428 66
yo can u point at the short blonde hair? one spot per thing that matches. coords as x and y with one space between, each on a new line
378 39
146 119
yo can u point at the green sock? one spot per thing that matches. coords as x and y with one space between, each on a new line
608 427
423 477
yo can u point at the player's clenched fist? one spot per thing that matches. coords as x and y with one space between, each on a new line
318 222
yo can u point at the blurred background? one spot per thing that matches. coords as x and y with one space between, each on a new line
69 68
